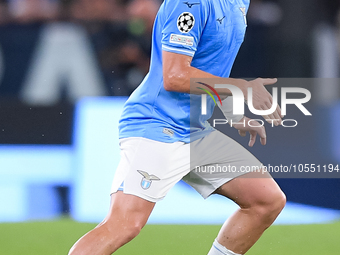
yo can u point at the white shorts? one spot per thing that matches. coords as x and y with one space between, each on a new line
149 169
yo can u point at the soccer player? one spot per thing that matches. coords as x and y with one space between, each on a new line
163 134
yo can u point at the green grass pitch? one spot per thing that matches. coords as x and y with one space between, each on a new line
56 237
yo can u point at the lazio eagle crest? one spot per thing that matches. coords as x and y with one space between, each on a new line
147 179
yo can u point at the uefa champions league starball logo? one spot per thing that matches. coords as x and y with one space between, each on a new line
185 22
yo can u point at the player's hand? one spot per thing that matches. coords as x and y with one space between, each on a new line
263 100
255 128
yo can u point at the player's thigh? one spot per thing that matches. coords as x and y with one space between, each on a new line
126 209
253 189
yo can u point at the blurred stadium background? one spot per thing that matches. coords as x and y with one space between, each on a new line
66 68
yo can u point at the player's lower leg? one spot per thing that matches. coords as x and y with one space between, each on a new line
128 215
260 200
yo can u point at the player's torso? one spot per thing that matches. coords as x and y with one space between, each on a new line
155 113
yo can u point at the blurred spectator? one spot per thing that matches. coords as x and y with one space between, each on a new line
142 14
267 13
105 22
3 12
33 10
120 33
134 55
130 56
90 10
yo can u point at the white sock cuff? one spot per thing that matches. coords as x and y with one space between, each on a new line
223 249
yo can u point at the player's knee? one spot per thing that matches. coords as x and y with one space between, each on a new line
132 231
269 207
272 206
277 202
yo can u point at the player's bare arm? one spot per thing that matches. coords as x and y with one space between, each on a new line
177 72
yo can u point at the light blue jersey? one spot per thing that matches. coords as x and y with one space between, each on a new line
211 31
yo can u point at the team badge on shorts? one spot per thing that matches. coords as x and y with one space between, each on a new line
147 179
185 22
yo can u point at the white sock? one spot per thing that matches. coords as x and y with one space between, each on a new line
219 249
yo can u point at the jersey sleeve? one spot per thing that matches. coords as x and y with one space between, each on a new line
183 26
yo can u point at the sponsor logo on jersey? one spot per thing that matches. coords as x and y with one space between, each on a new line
185 22
147 179
190 4
182 39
